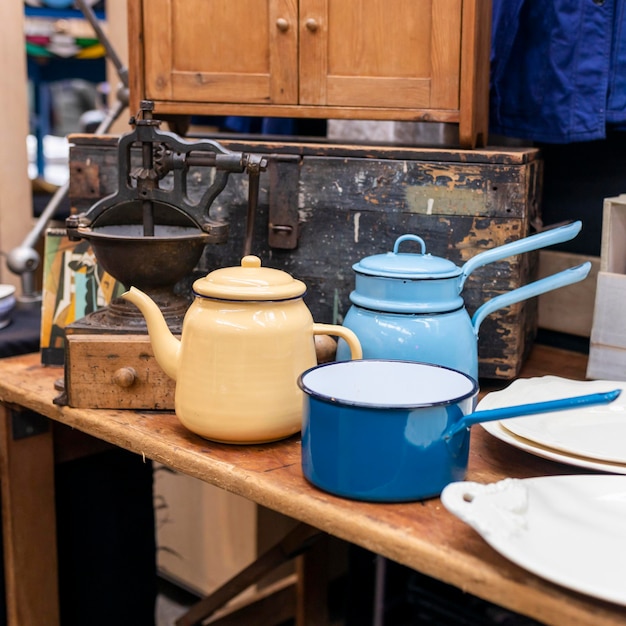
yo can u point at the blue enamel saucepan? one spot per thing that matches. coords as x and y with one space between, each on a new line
393 431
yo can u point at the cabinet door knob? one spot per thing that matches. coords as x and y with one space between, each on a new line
282 24
312 25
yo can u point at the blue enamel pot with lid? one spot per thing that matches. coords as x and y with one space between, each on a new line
409 305
393 431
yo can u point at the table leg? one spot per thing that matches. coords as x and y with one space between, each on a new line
312 597
295 543
28 518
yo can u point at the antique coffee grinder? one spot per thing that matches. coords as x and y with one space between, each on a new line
149 234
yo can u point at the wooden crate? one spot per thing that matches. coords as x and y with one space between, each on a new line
607 347
345 202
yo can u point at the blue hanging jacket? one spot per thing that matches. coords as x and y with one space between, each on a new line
558 69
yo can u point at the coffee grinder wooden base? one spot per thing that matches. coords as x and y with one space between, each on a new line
115 371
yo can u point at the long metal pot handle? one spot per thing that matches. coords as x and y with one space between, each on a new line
506 412
534 242
561 279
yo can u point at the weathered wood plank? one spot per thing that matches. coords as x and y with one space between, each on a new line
355 201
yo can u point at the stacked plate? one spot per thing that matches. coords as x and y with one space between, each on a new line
590 437
568 529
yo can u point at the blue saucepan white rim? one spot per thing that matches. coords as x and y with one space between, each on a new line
387 384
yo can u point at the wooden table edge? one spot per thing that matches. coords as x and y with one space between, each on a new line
486 575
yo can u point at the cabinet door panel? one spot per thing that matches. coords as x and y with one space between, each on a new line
221 50
341 63
376 91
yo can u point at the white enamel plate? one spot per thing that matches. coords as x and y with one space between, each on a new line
566 529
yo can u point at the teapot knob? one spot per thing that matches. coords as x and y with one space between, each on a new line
250 261
419 240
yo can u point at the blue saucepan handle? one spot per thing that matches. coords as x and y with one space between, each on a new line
560 279
519 410
543 239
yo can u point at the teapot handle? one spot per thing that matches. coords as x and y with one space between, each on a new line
356 352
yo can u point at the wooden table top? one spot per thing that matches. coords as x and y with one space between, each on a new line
421 535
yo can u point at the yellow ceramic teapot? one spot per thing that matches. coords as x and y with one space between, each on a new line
246 338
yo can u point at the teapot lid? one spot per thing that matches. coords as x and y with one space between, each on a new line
397 264
249 281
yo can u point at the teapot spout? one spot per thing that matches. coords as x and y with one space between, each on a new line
165 345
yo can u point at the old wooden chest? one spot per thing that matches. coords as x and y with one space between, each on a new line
324 206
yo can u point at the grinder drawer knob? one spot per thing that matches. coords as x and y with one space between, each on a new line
125 377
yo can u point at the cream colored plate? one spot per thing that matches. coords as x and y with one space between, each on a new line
497 430
595 433
566 529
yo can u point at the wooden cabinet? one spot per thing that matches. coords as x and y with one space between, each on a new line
422 60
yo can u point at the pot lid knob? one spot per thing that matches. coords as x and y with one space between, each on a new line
249 281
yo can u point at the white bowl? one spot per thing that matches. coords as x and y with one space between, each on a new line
7 304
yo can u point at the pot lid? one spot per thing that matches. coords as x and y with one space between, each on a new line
249 281
397 264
